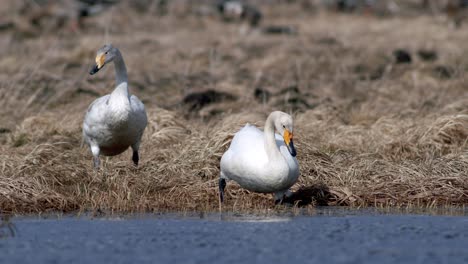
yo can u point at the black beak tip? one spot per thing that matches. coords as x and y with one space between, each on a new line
292 149
94 70
293 153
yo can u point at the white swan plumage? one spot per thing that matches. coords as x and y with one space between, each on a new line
116 121
262 161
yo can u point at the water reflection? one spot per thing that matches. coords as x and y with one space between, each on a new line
255 218
7 228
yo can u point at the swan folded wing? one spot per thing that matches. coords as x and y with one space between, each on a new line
95 116
137 105
139 120
139 109
96 107
250 143
246 152
253 138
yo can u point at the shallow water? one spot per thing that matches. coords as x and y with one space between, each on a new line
328 236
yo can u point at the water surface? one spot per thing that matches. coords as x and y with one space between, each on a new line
329 236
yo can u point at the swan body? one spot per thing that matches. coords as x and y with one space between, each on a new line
116 121
261 161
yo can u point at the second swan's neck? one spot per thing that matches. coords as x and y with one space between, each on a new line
270 141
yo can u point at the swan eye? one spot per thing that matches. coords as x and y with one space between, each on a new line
284 126
106 52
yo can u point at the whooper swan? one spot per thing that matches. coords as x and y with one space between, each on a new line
262 161
115 121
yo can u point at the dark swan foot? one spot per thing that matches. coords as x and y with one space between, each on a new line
281 201
285 200
135 158
222 185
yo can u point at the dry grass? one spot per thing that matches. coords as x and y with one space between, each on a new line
368 131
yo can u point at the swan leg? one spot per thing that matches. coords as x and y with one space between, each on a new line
222 185
96 161
135 155
279 197
278 201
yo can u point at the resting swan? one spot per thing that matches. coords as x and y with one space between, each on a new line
115 121
262 161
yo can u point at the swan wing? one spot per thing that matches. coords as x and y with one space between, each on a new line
138 109
95 118
248 146
97 109
246 154
137 105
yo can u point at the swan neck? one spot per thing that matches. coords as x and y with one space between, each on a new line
270 141
120 97
120 70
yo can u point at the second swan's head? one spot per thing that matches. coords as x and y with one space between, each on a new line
284 125
104 55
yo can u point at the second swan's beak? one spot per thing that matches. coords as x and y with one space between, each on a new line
100 59
288 139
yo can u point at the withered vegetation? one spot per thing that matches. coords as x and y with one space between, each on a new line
369 131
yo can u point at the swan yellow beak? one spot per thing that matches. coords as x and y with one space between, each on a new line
288 139
100 59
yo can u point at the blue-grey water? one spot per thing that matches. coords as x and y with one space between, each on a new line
353 237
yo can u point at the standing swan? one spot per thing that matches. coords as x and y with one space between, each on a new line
262 161
115 121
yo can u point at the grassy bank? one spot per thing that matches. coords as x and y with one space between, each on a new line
369 131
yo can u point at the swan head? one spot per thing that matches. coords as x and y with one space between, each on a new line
284 125
104 55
